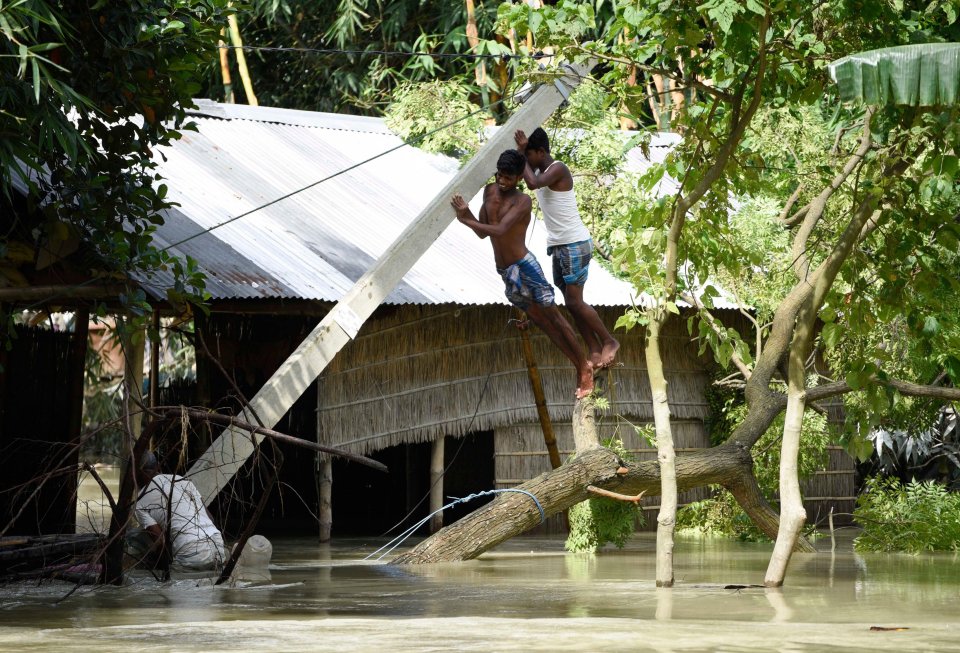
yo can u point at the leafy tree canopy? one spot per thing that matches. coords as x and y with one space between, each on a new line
89 90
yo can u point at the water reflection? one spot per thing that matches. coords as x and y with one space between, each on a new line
527 595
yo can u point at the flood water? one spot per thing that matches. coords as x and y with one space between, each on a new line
527 595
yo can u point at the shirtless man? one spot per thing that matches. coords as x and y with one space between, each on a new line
504 217
568 240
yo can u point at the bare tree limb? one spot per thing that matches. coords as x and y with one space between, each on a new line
227 420
801 262
615 495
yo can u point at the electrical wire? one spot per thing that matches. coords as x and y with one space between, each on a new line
411 142
398 53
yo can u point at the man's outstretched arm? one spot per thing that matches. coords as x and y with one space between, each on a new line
465 215
516 212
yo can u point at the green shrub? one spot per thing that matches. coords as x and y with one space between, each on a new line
419 109
915 517
599 521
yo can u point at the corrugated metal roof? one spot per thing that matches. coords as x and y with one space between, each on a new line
317 243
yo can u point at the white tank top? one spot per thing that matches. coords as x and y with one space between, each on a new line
560 215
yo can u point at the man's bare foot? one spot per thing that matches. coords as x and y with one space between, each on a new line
609 354
595 358
522 325
585 386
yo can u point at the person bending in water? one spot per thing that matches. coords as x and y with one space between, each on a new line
504 217
568 240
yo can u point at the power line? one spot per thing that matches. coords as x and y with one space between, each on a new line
332 176
390 53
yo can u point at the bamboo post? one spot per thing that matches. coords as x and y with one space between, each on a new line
436 483
155 361
225 70
533 373
241 59
133 348
326 498
78 365
324 478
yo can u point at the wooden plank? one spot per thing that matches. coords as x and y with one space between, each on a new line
217 466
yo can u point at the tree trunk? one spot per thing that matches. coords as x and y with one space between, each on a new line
511 514
666 456
792 513
747 493
585 436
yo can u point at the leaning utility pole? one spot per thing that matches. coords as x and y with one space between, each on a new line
213 471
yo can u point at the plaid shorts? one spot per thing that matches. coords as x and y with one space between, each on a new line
526 284
571 263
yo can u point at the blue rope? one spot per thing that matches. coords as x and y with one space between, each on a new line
398 540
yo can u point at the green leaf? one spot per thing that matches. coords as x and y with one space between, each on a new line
632 16
830 334
722 11
536 19
926 74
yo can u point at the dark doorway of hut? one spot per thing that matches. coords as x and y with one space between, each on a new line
369 503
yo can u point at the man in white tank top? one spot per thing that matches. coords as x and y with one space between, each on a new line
568 240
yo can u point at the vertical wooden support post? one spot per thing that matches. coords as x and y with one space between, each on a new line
133 344
324 477
544 416
78 365
436 483
155 360
326 498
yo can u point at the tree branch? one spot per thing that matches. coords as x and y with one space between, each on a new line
227 420
714 325
801 262
615 495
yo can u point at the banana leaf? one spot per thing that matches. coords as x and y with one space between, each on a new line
923 75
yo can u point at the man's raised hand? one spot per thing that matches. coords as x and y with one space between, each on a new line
461 207
521 140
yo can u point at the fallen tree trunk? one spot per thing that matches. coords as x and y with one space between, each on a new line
511 514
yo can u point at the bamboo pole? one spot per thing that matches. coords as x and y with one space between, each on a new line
133 348
436 484
155 361
549 438
241 59
228 96
324 478
473 39
326 498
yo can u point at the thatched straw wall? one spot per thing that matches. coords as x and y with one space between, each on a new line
834 488
415 373
521 454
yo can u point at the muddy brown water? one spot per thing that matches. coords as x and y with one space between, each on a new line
527 595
